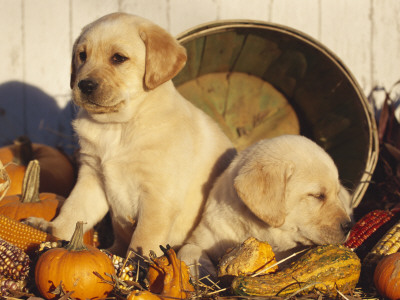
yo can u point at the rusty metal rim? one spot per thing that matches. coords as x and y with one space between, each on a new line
227 25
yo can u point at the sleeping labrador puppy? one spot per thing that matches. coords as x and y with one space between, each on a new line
283 190
147 155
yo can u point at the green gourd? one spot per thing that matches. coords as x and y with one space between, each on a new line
326 268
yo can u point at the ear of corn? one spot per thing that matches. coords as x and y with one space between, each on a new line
21 235
388 244
124 268
366 226
9 287
14 263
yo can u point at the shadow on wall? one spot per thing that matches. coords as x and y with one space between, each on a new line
27 110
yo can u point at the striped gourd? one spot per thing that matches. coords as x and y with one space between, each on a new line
325 268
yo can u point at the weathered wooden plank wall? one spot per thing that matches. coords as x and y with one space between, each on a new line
37 37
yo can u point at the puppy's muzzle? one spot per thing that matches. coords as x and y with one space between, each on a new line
87 86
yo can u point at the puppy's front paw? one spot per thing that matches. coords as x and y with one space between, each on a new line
39 223
198 261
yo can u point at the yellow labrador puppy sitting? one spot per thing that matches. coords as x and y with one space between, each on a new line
283 190
147 154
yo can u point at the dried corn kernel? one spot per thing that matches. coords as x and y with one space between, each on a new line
8 286
366 226
124 268
14 263
389 243
21 235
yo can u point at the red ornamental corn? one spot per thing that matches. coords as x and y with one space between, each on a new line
366 226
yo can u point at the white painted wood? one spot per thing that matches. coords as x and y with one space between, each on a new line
47 55
185 14
385 42
301 15
12 104
154 10
46 45
346 30
84 12
245 9
11 49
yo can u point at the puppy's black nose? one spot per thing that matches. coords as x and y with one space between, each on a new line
87 86
346 227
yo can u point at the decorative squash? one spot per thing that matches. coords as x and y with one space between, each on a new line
57 175
30 203
252 256
387 276
168 276
74 268
142 295
325 268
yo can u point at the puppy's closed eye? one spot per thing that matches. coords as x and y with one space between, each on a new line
319 196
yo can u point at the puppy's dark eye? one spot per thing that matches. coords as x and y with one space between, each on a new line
118 59
82 56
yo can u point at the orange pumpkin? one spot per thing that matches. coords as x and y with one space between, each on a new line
31 203
57 175
74 268
387 276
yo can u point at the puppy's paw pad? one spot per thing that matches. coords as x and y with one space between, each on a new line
38 223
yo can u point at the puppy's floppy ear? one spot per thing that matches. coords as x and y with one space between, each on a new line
262 188
165 57
73 66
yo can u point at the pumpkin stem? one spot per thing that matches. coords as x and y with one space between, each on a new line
76 243
5 184
23 151
30 183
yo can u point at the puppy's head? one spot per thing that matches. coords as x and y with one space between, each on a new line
117 59
291 183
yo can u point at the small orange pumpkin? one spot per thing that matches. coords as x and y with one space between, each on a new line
74 268
387 276
31 203
57 174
